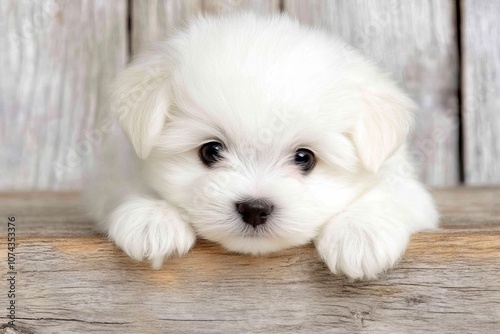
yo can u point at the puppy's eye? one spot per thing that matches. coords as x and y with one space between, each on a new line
305 159
211 152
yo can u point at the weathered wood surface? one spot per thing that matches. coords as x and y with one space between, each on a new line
153 20
56 60
481 90
416 41
58 57
73 281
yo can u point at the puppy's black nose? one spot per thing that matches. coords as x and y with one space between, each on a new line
255 211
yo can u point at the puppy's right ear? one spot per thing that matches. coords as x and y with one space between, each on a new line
141 98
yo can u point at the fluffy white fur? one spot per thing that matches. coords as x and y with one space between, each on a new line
264 87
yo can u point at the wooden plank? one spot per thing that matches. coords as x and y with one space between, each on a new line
155 19
225 6
56 60
417 42
445 283
70 280
46 214
480 90
468 208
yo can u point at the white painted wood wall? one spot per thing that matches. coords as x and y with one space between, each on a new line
58 56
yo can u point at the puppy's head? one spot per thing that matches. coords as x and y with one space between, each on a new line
258 129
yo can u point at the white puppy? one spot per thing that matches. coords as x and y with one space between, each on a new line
260 134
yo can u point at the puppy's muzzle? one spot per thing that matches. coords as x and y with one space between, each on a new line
254 211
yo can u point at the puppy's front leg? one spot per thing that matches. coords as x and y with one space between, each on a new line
151 229
372 234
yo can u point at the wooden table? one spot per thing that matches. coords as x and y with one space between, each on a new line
71 280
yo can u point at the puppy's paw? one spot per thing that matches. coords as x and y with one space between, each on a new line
359 248
150 229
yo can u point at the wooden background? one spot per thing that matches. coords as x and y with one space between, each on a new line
58 56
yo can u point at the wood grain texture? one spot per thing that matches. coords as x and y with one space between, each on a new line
417 42
480 90
56 61
73 281
445 283
154 20
9 330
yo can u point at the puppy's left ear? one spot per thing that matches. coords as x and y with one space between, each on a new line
141 99
384 122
